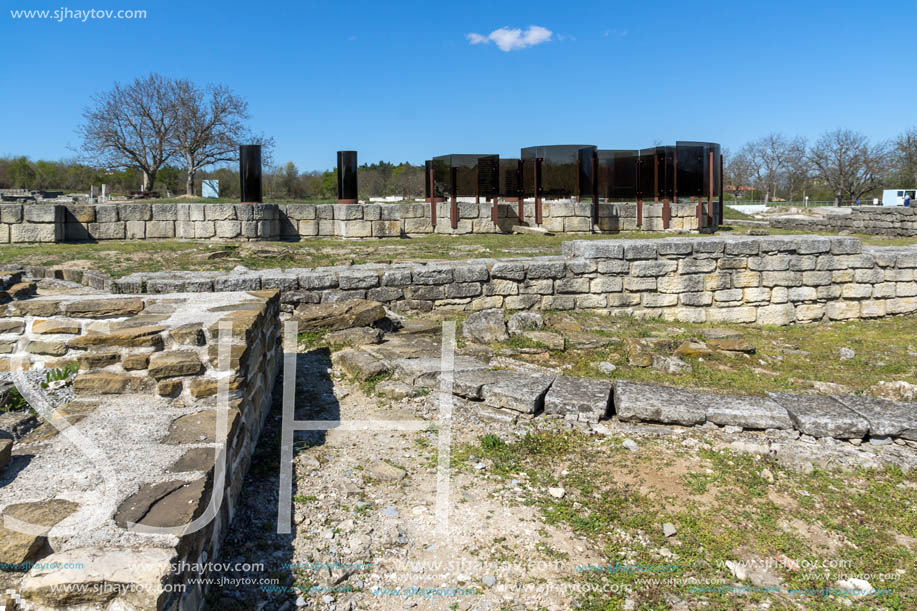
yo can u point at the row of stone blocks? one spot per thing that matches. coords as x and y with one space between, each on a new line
183 355
769 280
133 221
587 400
876 220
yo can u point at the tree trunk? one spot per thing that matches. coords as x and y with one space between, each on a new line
189 183
147 182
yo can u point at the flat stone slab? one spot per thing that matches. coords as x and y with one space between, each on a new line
748 412
470 384
656 403
518 391
822 416
886 418
424 371
583 398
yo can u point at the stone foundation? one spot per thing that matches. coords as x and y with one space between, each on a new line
878 220
147 397
139 221
766 280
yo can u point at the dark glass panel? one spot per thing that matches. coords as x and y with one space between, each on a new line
566 170
347 175
250 172
510 178
692 162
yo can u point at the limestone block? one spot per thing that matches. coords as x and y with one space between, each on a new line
11 213
842 310
386 229
34 232
160 229
732 315
135 230
780 315
228 229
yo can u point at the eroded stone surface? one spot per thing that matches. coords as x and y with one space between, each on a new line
748 412
886 418
656 403
165 504
485 326
200 427
338 315
822 416
518 391
148 568
15 546
582 398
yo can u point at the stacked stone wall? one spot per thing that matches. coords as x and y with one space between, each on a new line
147 364
767 280
25 223
876 220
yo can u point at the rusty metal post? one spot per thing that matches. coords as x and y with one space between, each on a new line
453 205
537 194
639 212
710 211
495 211
578 168
432 199
521 198
477 196
595 188
719 220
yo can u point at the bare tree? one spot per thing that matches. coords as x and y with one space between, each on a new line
847 162
904 158
769 156
209 126
738 171
797 174
129 126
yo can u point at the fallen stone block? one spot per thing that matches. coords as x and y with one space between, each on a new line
822 416
425 371
338 315
886 418
485 326
518 391
359 364
358 336
587 399
17 547
747 412
637 401
531 230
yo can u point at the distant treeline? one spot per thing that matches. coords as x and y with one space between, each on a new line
280 182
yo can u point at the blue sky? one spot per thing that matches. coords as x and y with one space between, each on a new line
403 82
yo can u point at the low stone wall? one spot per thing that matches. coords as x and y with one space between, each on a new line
147 398
878 220
141 221
766 280
38 223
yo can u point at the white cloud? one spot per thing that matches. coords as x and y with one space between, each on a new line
511 39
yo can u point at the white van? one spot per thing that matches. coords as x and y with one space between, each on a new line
895 197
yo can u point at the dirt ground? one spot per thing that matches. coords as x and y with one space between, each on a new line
542 515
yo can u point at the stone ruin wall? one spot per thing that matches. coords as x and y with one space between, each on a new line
147 394
141 221
876 220
766 280
148 372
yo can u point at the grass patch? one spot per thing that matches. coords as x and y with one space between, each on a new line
788 359
727 511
